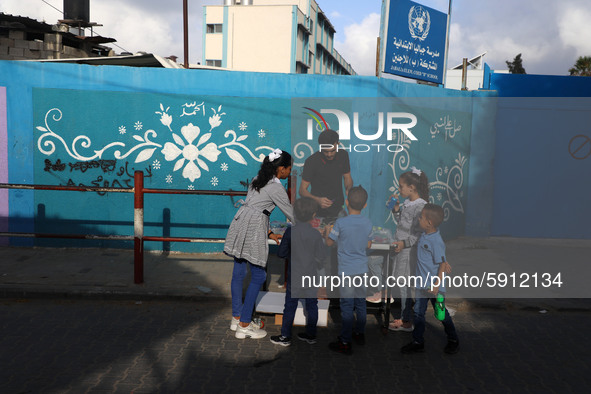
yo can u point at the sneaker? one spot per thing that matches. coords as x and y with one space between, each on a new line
257 321
359 338
302 336
413 347
251 331
398 325
378 298
280 340
341 347
452 347
375 299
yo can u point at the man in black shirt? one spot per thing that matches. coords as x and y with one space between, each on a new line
325 172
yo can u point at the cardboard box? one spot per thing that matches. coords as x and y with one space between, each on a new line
272 302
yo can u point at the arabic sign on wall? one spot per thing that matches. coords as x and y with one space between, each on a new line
415 41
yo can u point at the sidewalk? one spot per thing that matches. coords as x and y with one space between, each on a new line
108 273
74 323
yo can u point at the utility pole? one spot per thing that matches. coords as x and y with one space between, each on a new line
186 32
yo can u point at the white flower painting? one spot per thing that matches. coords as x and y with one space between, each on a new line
191 155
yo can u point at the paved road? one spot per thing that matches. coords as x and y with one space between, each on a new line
171 346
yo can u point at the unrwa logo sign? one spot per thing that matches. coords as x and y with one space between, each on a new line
419 22
402 121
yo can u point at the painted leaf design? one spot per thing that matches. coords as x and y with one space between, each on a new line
204 138
202 164
138 138
145 155
41 128
234 155
178 139
242 138
161 107
179 164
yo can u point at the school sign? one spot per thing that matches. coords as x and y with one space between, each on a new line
415 41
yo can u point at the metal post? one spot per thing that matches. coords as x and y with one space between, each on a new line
378 58
446 44
186 32
464 74
383 41
138 227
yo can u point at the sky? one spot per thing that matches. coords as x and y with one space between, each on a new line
550 34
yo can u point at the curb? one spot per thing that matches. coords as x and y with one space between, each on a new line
541 305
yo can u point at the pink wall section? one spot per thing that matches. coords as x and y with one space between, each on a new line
3 166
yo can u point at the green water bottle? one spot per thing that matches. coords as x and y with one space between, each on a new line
440 307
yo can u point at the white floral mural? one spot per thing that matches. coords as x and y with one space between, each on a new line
189 136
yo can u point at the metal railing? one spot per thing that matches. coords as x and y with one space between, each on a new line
138 218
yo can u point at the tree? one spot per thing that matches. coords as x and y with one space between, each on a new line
516 66
582 67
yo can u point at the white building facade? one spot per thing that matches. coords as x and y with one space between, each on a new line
286 36
474 76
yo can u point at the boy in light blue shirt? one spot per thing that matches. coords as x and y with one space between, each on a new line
353 237
431 263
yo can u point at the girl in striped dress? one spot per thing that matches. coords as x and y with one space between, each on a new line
247 236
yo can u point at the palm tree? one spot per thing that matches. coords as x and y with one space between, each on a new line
582 67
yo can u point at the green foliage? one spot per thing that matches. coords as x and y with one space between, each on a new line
582 67
516 66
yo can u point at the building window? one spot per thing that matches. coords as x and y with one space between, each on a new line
213 63
214 28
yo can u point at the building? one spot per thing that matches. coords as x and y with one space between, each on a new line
474 76
23 38
287 36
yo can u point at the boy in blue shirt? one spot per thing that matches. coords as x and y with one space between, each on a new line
353 237
431 263
304 258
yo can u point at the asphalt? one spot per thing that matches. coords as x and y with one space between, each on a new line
74 321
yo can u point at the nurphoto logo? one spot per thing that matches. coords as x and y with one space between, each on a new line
395 122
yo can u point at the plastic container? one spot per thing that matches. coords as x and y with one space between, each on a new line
440 307
391 202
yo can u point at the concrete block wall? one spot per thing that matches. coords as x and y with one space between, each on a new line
17 47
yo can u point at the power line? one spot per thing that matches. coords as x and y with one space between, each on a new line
57 9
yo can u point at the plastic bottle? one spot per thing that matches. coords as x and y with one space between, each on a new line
391 202
440 307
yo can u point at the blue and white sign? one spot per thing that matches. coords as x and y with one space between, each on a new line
415 41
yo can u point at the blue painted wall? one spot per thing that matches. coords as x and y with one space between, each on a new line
526 85
542 156
102 102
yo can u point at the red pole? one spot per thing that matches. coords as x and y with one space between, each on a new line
138 227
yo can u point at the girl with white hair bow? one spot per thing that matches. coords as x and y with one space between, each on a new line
247 236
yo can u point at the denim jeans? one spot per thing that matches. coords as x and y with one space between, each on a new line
352 306
376 266
289 311
258 275
423 297
401 269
